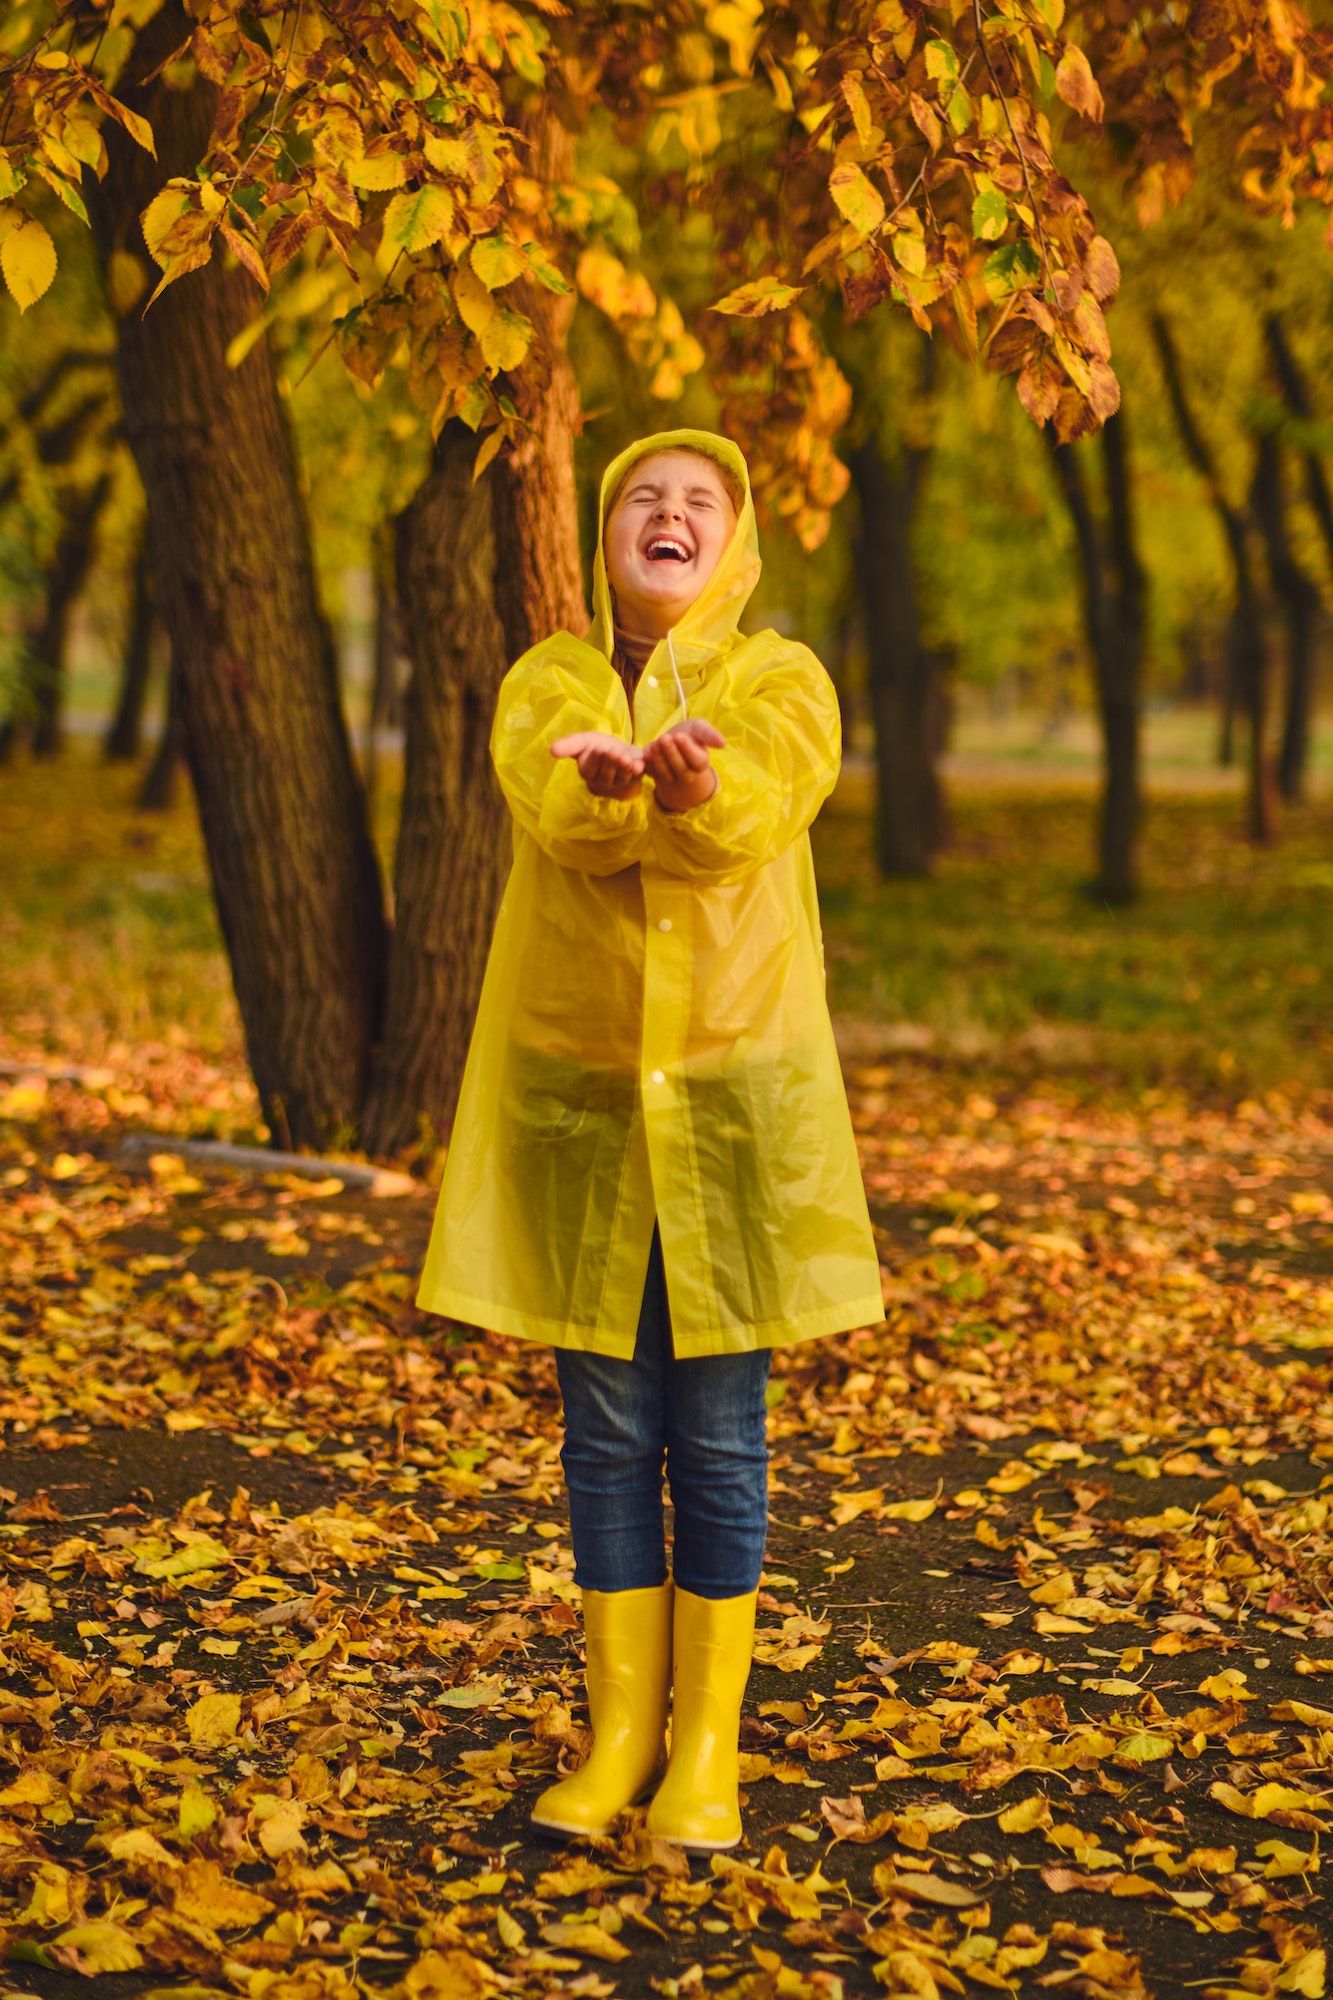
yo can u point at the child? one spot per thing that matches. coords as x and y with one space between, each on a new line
652 1166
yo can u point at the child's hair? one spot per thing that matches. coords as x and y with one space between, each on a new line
735 491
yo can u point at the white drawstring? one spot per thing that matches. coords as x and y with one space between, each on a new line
675 675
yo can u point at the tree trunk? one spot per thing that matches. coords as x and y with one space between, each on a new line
125 736
64 581
483 573
1298 402
453 846
538 579
158 792
1300 597
282 811
1113 618
901 673
385 708
1247 649
1300 610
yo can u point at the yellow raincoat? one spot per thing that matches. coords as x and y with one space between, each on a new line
653 1040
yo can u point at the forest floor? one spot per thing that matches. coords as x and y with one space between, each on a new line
1043 1692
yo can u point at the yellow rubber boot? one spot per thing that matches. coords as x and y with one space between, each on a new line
628 1637
697 1801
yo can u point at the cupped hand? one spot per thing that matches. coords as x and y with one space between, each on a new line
608 766
679 764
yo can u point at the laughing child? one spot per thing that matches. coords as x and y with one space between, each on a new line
652 1167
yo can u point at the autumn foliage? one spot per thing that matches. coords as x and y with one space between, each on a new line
927 156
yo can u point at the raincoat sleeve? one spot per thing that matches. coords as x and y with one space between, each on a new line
556 689
784 748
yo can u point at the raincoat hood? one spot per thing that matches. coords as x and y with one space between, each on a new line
711 621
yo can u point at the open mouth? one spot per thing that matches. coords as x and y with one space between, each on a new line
666 548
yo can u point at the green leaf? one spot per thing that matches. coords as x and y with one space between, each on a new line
71 197
12 178
502 1572
497 261
547 272
941 62
449 26
857 199
762 295
416 219
990 215
1007 269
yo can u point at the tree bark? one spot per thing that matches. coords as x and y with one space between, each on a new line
483 574
1247 647
538 578
900 670
385 707
1300 597
45 672
125 736
453 845
1300 604
158 791
282 811
1113 592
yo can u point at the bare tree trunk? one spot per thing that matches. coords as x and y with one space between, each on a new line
158 791
1113 590
1300 609
385 708
453 846
1300 597
900 670
125 736
483 573
282 811
538 580
1247 649
64 581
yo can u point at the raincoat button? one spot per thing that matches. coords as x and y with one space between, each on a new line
659 1076
665 924
651 680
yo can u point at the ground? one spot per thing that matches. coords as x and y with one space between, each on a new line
1043 1693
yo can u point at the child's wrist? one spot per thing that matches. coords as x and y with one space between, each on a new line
678 798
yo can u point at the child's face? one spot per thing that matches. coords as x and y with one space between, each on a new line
672 519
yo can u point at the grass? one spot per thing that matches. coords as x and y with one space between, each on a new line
1221 974
1220 979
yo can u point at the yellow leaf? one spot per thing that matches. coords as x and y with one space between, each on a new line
196 1812
910 1510
101 1947
448 1975
850 1506
590 1939
375 171
496 261
28 258
213 1720
31 1788
1287 1798
860 202
280 1831
202 1894
138 1844
506 339
1027 1815
1077 85
417 218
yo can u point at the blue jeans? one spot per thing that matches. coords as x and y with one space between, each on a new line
705 1418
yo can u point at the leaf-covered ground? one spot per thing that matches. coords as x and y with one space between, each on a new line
1043 1694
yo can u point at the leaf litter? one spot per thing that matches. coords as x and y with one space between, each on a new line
278 1738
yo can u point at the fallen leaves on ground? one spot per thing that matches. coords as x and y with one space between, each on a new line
284 1750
